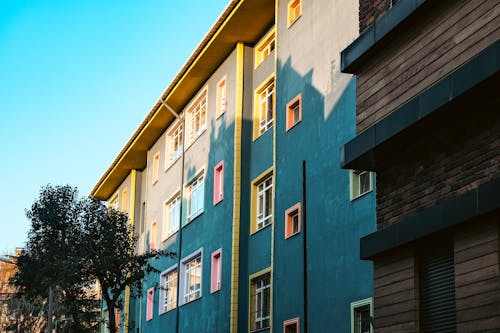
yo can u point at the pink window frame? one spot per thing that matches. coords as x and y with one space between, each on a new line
291 321
153 235
216 271
219 182
149 303
295 208
289 121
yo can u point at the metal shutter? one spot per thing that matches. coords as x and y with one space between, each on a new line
437 288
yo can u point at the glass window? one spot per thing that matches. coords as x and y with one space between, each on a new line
264 203
265 100
196 197
168 290
172 216
260 302
192 279
361 183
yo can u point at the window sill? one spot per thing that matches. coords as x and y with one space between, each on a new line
289 128
191 301
169 235
260 329
166 311
263 228
171 163
261 134
194 216
291 235
195 139
361 195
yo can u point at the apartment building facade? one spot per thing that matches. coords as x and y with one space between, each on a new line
428 124
236 170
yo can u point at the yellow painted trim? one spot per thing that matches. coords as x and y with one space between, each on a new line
264 40
124 199
235 251
256 105
274 164
253 198
133 181
250 278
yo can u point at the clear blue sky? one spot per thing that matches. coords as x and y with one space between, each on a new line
76 79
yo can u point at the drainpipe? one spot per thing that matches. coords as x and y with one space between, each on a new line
304 238
179 248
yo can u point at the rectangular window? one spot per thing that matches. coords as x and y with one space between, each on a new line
361 314
173 144
265 47
292 220
191 269
294 112
260 302
152 237
196 193
216 276
361 183
124 200
196 118
264 107
171 216
264 202
221 98
156 168
149 303
113 203
294 11
219 182
168 290
291 326
105 323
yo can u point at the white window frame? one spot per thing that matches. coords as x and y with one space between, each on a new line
265 47
184 287
196 184
355 183
266 96
173 137
166 280
259 288
263 189
359 304
170 227
196 110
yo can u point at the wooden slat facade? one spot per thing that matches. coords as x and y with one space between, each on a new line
433 47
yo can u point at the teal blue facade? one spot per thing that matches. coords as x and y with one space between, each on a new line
321 274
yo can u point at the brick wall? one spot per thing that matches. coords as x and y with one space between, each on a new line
451 154
370 11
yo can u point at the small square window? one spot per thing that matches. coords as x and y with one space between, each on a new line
173 144
265 47
149 303
221 98
361 183
219 182
260 302
171 216
216 276
156 168
196 196
291 326
294 112
190 277
168 290
294 11
361 314
292 220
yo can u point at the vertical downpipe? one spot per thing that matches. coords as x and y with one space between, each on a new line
304 238
179 248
